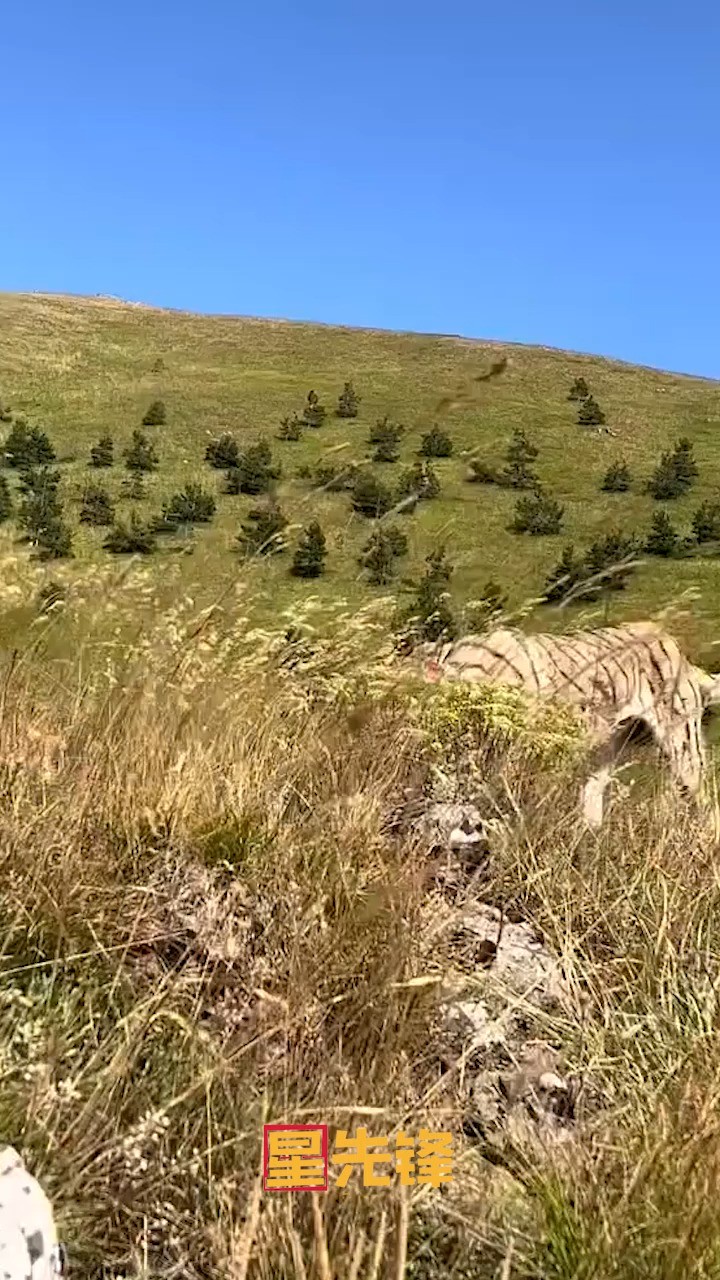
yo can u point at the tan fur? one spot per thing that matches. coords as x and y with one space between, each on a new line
615 675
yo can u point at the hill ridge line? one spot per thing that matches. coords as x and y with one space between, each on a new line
455 338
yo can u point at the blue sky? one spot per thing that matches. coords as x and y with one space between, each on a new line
542 173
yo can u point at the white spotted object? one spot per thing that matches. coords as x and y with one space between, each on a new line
29 1247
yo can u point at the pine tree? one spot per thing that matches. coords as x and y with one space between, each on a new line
6 502
385 429
384 547
155 415
192 505
617 478
97 506
135 487
348 402
579 390
255 472
102 454
158 365
41 513
537 514
397 540
40 506
421 481
590 414
664 482
663 538
675 473
34 479
309 558
387 451
386 437
16 446
686 468
608 564
517 472
27 446
706 522
520 449
141 455
261 533
42 452
223 453
314 412
331 477
291 428
5 412
131 537
565 576
436 444
429 614
378 560
370 496
55 541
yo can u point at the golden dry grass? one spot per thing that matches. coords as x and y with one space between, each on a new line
206 926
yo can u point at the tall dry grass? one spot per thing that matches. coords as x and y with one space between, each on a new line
206 926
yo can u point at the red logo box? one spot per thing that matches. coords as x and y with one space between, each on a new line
295 1157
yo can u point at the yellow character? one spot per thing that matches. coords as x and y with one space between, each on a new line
361 1156
434 1157
405 1159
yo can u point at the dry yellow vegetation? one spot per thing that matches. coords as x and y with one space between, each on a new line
207 925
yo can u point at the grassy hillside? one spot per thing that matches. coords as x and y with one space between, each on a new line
79 367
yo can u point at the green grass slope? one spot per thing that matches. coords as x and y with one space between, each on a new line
79 367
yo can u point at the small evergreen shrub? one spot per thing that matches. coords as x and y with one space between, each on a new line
370 497
384 547
141 455
102 454
290 428
429 614
617 478
436 444
192 505
517 472
97 506
314 412
579 390
537 514
420 481
675 473
262 532
131 537
28 447
663 539
309 558
155 415
223 453
348 402
590 414
706 522
255 472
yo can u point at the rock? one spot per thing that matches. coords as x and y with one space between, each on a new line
458 828
520 961
512 1084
